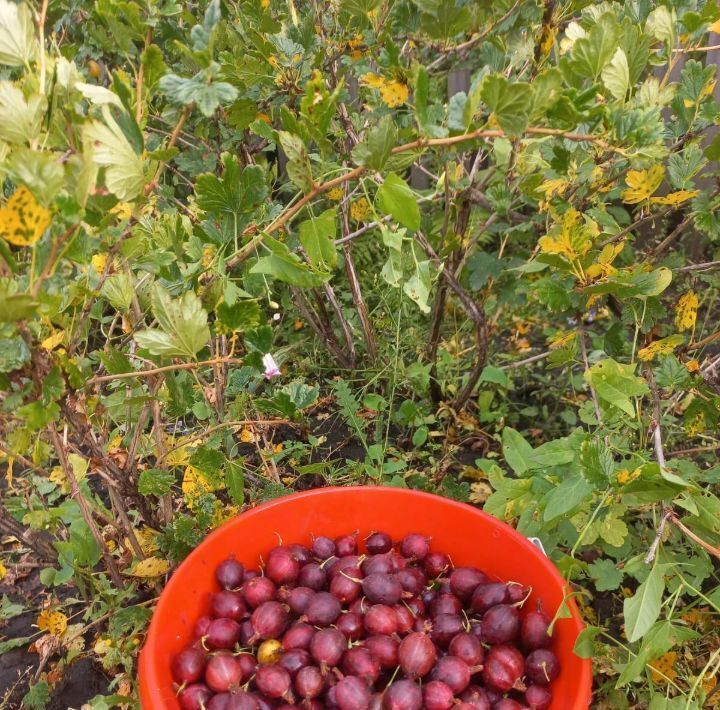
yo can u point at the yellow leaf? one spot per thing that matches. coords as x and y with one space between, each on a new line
675 198
265 4
52 341
663 668
102 646
247 436
642 183
150 567
3 571
359 210
715 27
686 311
692 365
58 477
570 238
660 347
624 476
336 194
123 210
23 220
394 93
373 80
195 485
99 262
560 340
147 539
54 622
554 187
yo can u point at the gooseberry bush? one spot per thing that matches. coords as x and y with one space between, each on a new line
256 246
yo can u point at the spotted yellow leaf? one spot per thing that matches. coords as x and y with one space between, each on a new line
675 198
195 485
642 184
52 341
624 476
336 194
660 347
150 567
3 571
686 311
147 539
394 93
663 668
54 622
359 210
692 365
23 220
571 238
553 187
715 27
560 340
373 80
99 262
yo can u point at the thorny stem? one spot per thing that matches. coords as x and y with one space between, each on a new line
166 368
84 509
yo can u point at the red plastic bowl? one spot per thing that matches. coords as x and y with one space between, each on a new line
470 536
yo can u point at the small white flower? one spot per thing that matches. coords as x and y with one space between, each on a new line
271 367
276 316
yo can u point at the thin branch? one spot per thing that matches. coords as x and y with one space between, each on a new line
705 341
707 266
652 550
689 50
166 368
464 46
355 173
141 78
526 361
84 509
666 243
23 460
715 551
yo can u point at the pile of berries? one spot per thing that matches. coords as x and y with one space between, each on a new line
395 628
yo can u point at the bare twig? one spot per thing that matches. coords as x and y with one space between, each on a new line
526 361
166 368
586 362
707 266
715 551
652 550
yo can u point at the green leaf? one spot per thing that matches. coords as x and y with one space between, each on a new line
398 200
183 325
11 643
510 102
317 235
552 453
421 91
38 697
642 609
18 45
591 53
20 118
481 267
118 289
298 166
235 481
661 24
585 642
616 383
616 75
237 192
494 374
638 284
155 482
285 266
417 287
38 414
606 575
110 149
377 145
516 450
86 552
571 491
16 306
197 90
241 316
153 65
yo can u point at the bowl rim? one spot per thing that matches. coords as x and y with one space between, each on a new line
146 670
